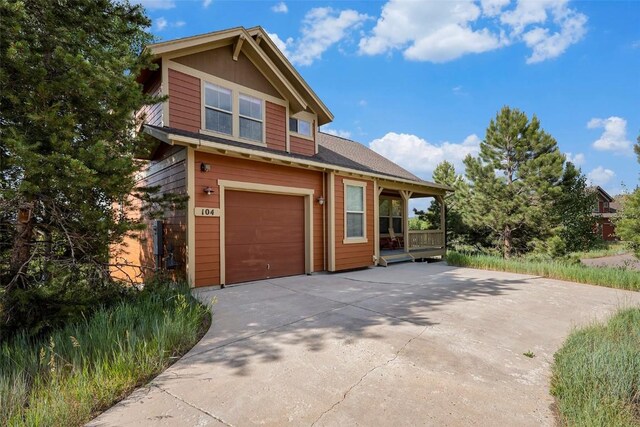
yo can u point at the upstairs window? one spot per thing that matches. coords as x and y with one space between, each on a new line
300 126
250 118
218 110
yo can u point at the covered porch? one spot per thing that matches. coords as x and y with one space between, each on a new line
400 239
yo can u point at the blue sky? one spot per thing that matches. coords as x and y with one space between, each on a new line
419 81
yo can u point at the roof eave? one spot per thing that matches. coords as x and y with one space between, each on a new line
168 136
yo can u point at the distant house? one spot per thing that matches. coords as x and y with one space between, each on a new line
269 194
604 209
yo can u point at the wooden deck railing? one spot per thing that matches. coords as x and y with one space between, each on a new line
421 239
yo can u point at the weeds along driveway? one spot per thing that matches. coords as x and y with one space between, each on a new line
412 344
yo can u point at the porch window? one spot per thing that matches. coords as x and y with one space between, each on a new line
250 118
355 219
391 215
218 111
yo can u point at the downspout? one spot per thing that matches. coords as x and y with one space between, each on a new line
324 222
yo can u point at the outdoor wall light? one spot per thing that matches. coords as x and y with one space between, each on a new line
321 200
205 167
208 190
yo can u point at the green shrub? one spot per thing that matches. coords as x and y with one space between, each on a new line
82 368
562 270
596 374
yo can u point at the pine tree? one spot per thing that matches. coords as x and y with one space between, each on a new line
628 221
573 209
514 181
67 93
457 230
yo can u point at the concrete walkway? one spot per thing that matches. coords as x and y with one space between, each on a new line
412 344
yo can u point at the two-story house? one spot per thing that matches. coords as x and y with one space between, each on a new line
269 195
603 211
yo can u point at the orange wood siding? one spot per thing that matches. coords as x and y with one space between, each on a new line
137 251
276 126
207 245
184 101
152 114
353 255
302 146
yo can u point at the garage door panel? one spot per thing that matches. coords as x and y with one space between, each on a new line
264 236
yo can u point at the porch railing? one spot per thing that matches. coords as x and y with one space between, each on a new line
420 239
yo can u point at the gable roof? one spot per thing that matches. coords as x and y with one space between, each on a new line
602 193
330 155
269 60
269 47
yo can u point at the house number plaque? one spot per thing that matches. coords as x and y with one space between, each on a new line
210 212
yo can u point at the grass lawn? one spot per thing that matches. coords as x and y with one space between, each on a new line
68 377
601 276
596 374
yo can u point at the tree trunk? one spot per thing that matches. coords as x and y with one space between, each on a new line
506 251
21 250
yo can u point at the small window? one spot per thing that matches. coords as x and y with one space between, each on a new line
250 118
355 211
218 112
302 127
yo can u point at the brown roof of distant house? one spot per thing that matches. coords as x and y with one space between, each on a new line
364 155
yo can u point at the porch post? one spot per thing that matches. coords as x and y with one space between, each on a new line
406 195
443 220
376 222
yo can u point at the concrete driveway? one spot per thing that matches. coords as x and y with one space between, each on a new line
412 344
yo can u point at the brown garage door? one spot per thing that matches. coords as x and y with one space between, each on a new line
264 236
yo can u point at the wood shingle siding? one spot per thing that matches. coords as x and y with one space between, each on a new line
207 235
184 101
353 255
276 126
219 62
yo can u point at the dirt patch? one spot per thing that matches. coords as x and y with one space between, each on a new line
624 260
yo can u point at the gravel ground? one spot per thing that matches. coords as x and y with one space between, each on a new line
625 260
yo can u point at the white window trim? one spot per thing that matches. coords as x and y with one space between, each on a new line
236 90
307 117
205 106
261 120
363 239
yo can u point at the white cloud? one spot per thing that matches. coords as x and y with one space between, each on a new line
161 23
420 156
600 176
283 45
336 132
280 8
206 3
441 31
547 46
157 4
493 7
614 137
436 31
362 103
322 27
577 160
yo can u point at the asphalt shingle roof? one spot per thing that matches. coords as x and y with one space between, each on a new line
332 150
